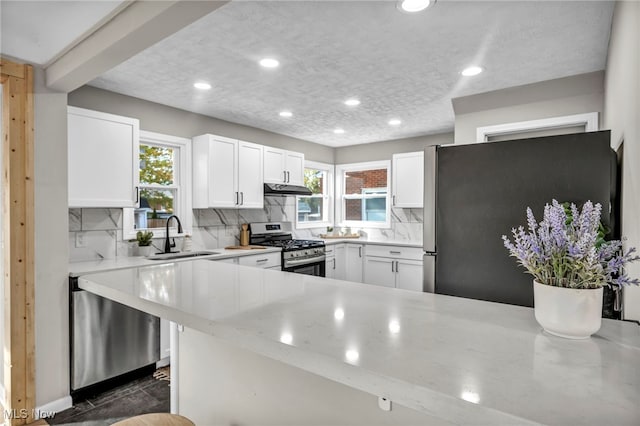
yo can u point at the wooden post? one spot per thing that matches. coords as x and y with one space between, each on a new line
18 227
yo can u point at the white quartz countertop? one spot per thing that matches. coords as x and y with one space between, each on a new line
465 361
80 268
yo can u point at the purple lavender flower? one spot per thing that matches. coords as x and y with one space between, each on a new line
563 251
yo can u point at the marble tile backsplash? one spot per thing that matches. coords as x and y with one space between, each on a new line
97 233
93 234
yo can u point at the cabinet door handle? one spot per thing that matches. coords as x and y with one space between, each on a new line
397 264
393 200
360 251
393 263
137 195
242 198
334 264
261 260
284 180
288 177
395 252
237 198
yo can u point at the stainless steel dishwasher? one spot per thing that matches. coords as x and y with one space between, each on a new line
108 339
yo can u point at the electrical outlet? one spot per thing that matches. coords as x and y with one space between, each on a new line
384 404
80 240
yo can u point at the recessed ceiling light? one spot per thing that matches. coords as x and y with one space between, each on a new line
286 114
395 122
352 102
338 131
269 62
202 85
471 71
413 6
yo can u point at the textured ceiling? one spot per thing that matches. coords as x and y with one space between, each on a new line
37 31
399 65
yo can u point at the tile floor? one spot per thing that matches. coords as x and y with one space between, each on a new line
141 396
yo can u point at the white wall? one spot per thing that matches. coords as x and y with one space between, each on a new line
622 116
553 98
384 150
176 122
51 246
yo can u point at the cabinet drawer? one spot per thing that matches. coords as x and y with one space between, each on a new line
394 252
267 260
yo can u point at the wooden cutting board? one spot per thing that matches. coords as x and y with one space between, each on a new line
245 248
337 237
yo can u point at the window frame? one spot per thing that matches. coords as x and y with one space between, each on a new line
182 201
327 214
341 197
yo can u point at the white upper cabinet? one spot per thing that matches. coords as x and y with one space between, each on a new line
227 173
103 159
250 185
294 165
282 166
407 180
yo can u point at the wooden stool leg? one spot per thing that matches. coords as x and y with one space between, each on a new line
156 419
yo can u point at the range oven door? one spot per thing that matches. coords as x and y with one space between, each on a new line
317 269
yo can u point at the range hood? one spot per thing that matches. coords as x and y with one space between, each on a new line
284 189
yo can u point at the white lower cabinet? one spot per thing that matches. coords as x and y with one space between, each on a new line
409 275
340 263
265 261
378 271
330 261
165 341
391 266
343 262
354 262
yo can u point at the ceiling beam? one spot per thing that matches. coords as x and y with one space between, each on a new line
134 29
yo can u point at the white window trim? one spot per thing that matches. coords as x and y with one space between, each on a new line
184 198
328 198
589 120
340 169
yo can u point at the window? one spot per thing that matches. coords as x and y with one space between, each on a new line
363 189
314 211
164 187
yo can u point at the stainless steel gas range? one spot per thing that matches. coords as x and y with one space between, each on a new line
300 256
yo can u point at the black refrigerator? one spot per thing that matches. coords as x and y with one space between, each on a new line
476 193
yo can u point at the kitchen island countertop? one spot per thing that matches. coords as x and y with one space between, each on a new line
461 360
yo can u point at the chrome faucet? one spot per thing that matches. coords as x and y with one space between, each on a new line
168 244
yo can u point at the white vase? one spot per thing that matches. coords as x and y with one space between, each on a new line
568 312
143 250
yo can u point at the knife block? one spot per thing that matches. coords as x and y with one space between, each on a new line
244 236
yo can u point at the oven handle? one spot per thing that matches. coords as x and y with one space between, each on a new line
298 262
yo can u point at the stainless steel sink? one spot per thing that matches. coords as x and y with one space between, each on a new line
183 255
